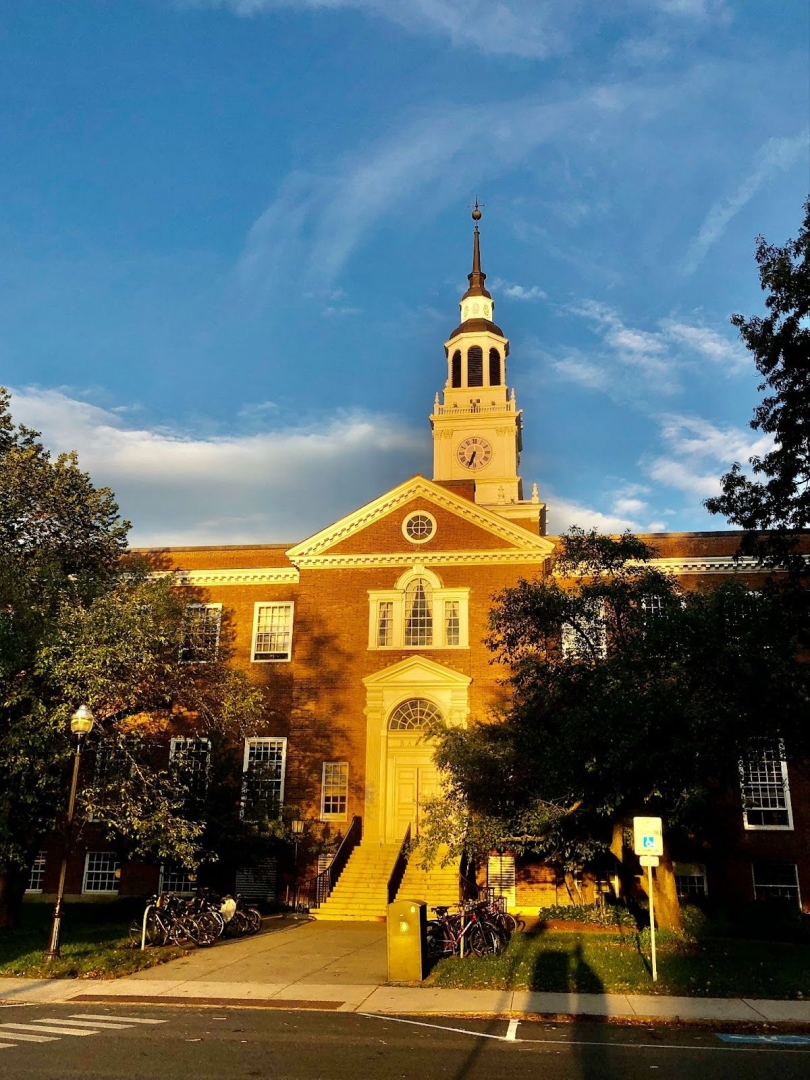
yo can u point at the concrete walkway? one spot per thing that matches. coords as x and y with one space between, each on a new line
342 967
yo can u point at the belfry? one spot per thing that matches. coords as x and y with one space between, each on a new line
476 422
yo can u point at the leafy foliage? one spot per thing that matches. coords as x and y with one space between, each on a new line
778 496
629 695
82 622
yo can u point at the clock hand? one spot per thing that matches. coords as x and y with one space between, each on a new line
472 457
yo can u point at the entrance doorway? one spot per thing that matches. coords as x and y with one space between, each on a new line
412 783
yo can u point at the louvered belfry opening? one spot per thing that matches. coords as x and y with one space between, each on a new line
475 366
455 375
494 367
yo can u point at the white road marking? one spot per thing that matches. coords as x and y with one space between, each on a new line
527 1043
129 1019
511 1031
30 1038
6 1046
99 1025
439 1027
50 1028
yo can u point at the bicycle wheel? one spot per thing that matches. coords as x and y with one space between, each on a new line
508 922
237 925
476 940
207 928
182 932
155 931
437 941
254 919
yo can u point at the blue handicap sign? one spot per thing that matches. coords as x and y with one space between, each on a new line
648 841
778 1040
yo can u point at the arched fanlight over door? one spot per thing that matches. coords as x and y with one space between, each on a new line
413 715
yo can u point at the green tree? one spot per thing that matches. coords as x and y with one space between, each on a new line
629 696
777 497
81 622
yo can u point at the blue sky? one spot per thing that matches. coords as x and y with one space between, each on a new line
234 234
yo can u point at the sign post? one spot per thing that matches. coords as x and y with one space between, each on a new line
648 844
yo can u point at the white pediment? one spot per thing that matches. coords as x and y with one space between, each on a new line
521 542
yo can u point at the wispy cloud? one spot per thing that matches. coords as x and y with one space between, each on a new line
180 488
697 452
774 156
518 292
655 359
318 219
528 28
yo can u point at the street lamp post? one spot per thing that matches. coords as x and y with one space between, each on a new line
81 724
298 831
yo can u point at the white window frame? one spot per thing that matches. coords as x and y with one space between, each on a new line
570 638
167 872
416 539
439 598
215 651
255 741
290 604
181 740
111 855
342 793
37 872
694 872
788 808
763 886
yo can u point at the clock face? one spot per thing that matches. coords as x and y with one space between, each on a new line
474 453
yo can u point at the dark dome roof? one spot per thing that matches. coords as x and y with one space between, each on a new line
477 326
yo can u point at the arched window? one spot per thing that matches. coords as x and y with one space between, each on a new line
419 613
413 715
456 372
494 367
475 366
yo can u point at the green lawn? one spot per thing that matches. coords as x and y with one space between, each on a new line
94 944
619 963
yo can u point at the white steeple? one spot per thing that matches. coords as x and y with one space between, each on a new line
477 426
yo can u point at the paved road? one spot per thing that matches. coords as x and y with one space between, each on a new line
169 1043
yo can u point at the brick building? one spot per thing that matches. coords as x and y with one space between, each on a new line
364 630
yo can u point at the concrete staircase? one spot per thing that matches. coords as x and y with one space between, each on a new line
361 892
438 885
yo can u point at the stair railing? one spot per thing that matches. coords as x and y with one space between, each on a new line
317 889
398 872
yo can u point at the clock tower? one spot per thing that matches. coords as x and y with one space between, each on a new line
477 427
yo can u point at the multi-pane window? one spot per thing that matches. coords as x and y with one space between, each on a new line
764 787
452 622
385 623
175 879
690 880
201 633
191 761
588 638
335 789
652 605
419 613
101 872
263 778
776 881
272 632
37 875
413 715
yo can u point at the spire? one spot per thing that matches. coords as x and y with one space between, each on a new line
477 277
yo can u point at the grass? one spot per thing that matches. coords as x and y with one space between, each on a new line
619 963
94 944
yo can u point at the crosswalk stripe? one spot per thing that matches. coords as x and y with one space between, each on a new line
49 1028
99 1024
129 1019
30 1038
6 1046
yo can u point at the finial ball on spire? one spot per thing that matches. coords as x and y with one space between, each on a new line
476 214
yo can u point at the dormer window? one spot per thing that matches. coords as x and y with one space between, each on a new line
418 613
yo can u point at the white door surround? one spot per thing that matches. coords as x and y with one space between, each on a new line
399 764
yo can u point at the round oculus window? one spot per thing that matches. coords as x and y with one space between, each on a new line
419 527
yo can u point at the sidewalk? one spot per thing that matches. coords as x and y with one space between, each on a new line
342 967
